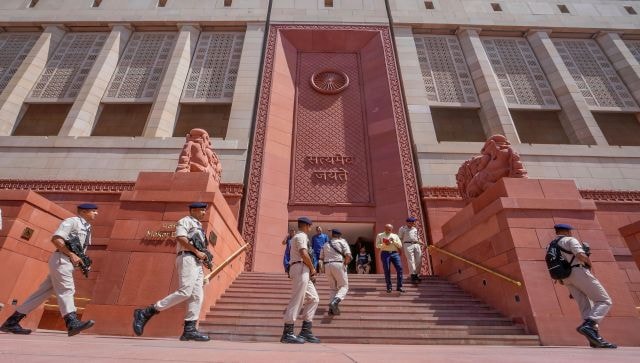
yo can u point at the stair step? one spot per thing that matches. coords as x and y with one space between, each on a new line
349 311
336 323
336 329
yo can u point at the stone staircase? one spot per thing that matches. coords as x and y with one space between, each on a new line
434 312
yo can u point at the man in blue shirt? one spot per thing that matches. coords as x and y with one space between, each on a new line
317 241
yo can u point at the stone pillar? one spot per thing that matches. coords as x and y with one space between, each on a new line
244 92
577 121
82 116
164 112
623 60
494 112
13 96
420 119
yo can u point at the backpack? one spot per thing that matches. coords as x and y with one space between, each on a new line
559 267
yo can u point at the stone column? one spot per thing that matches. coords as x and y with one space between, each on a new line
623 60
494 112
164 112
577 121
244 92
13 96
82 116
420 120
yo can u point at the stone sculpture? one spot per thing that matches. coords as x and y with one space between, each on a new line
197 155
497 160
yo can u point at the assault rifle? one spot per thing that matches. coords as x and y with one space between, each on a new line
201 245
74 245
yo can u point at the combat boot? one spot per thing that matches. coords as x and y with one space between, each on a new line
587 328
12 325
141 317
307 334
74 325
289 337
333 306
191 333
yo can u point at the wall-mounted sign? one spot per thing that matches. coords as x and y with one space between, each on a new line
26 233
167 231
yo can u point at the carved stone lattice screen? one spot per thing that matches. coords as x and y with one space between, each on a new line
213 71
330 144
634 47
139 73
14 48
594 74
444 71
68 68
521 78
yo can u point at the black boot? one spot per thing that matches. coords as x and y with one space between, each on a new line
333 306
141 317
191 333
307 334
12 325
75 326
588 329
289 337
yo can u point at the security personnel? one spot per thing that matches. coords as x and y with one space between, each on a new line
334 259
592 298
191 276
303 290
411 242
391 246
60 280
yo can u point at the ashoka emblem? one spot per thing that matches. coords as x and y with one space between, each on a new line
329 81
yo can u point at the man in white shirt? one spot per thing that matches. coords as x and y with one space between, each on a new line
334 258
592 298
412 248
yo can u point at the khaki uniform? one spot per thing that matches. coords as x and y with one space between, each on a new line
190 273
592 298
60 279
334 267
303 291
413 251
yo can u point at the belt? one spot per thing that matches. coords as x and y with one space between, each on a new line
391 252
187 253
413 243
293 263
333 262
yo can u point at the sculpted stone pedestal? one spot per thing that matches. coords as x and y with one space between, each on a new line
139 266
507 229
28 221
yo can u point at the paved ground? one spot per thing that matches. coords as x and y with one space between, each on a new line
51 347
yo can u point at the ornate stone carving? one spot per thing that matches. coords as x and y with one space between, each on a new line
444 70
197 155
497 160
634 47
329 81
141 67
594 74
213 72
14 48
67 70
520 76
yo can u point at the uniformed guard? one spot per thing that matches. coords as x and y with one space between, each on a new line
390 246
334 258
412 248
191 276
303 290
592 298
76 232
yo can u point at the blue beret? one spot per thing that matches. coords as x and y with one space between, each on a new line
563 226
305 220
411 219
197 205
335 231
87 206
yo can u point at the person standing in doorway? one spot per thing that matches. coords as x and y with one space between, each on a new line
334 259
72 231
303 290
190 277
317 241
390 245
412 248
363 261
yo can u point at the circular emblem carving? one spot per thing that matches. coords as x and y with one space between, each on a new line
329 81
